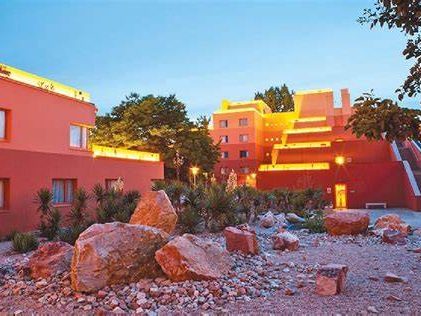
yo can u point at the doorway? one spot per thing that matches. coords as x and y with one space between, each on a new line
340 196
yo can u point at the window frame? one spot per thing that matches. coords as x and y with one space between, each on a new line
6 194
224 154
65 181
224 137
240 120
83 138
241 136
6 125
108 182
246 155
221 125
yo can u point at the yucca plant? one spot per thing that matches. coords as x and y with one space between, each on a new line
191 216
22 242
219 207
50 216
78 213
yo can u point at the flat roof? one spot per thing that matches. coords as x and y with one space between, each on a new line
42 83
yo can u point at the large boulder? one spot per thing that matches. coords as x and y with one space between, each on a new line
241 239
155 209
330 279
347 222
49 259
268 220
189 257
115 253
285 241
391 222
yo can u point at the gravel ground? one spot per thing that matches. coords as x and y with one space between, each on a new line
272 283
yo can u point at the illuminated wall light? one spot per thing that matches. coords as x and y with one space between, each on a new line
310 119
295 166
303 145
340 160
121 153
308 130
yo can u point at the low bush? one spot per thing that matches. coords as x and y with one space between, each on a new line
113 205
315 222
71 234
22 242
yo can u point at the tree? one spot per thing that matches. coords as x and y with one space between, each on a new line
279 99
159 124
374 118
404 15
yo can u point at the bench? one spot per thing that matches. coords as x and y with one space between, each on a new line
371 205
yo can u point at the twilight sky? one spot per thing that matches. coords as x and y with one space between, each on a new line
203 51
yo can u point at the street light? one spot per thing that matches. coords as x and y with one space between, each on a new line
194 170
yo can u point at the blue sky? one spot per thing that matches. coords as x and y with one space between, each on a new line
203 51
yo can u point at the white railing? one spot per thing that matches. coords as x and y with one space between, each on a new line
411 178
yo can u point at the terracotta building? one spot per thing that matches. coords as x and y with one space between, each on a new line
310 148
44 143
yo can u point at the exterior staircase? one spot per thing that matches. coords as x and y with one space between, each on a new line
408 155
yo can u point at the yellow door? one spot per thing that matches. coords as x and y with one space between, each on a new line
340 195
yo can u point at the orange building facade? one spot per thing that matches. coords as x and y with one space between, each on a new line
44 143
310 148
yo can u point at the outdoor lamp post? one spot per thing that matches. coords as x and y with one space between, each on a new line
194 170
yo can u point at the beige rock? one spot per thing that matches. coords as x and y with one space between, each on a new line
330 279
49 259
115 253
268 220
155 209
347 222
189 257
395 237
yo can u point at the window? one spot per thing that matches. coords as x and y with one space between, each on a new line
244 138
244 170
4 194
78 136
63 190
224 139
3 122
110 184
243 122
224 155
244 154
223 123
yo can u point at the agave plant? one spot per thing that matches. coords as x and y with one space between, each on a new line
50 216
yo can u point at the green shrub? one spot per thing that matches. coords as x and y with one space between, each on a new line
24 242
315 222
71 234
11 235
115 205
